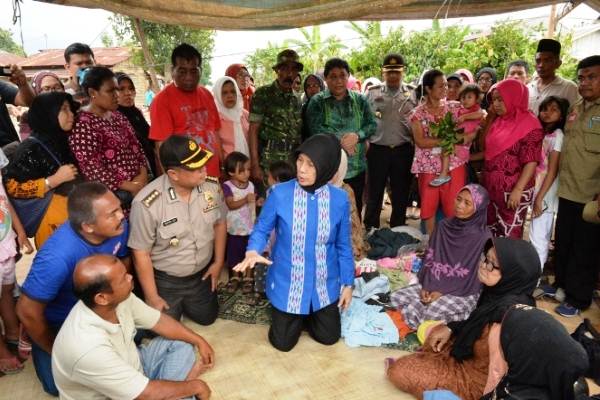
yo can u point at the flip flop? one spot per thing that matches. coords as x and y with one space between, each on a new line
10 366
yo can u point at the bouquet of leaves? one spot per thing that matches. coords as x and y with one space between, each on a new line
448 132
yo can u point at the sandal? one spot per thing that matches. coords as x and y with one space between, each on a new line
232 285
10 366
247 285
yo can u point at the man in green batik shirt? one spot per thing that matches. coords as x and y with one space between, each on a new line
275 116
347 115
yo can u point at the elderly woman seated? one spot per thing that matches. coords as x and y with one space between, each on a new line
457 355
448 287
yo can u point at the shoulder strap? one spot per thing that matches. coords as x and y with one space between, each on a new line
46 148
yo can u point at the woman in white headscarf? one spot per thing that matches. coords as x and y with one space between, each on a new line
234 119
370 82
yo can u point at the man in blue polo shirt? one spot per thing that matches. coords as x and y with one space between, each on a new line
96 225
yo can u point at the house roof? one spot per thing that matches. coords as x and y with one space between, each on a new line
7 58
54 58
284 14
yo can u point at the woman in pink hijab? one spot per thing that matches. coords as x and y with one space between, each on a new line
240 73
466 75
512 151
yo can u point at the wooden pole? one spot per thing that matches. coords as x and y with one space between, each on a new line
149 60
552 20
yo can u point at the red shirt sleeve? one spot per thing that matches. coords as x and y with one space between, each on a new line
162 125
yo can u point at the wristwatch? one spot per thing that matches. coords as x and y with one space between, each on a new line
47 182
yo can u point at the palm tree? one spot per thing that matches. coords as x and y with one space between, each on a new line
369 32
313 50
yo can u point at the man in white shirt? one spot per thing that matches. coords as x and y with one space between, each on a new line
94 355
547 83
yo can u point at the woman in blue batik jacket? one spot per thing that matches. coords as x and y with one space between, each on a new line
312 271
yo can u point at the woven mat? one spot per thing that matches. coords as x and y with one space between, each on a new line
241 308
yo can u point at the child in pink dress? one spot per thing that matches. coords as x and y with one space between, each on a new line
470 115
241 202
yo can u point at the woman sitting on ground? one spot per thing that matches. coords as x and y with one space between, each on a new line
44 163
312 272
104 142
448 286
456 356
539 359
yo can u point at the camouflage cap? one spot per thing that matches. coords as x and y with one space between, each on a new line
288 56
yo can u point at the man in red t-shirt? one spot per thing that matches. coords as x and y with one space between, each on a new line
184 108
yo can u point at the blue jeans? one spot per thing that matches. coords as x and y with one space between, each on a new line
42 362
164 359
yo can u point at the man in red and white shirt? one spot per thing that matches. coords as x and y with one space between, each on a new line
184 108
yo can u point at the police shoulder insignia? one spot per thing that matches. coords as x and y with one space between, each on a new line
148 200
212 179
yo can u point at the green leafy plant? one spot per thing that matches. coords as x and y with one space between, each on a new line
448 132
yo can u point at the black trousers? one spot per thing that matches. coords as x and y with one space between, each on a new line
324 326
188 295
358 187
394 164
577 254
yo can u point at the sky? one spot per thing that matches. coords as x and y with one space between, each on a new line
54 26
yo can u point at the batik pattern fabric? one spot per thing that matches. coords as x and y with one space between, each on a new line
106 149
312 255
447 308
501 174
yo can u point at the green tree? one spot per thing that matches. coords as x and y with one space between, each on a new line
161 39
315 50
366 60
8 44
260 63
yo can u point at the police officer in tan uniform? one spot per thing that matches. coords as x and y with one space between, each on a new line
391 151
178 234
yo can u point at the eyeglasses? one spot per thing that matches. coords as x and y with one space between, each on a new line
486 80
487 264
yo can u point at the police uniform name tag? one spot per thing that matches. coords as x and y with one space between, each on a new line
211 202
169 222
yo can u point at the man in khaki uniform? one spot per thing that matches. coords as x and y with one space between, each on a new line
178 234
577 251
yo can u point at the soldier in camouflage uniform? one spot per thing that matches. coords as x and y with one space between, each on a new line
275 117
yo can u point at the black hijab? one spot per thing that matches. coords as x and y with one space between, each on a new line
43 120
543 360
141 127
325 153
520 267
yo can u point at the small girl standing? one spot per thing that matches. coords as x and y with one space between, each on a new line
552 114
9 364
241 202
470 115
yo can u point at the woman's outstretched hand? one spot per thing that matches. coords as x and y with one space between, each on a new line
252 258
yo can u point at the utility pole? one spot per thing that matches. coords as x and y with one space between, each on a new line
149 60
